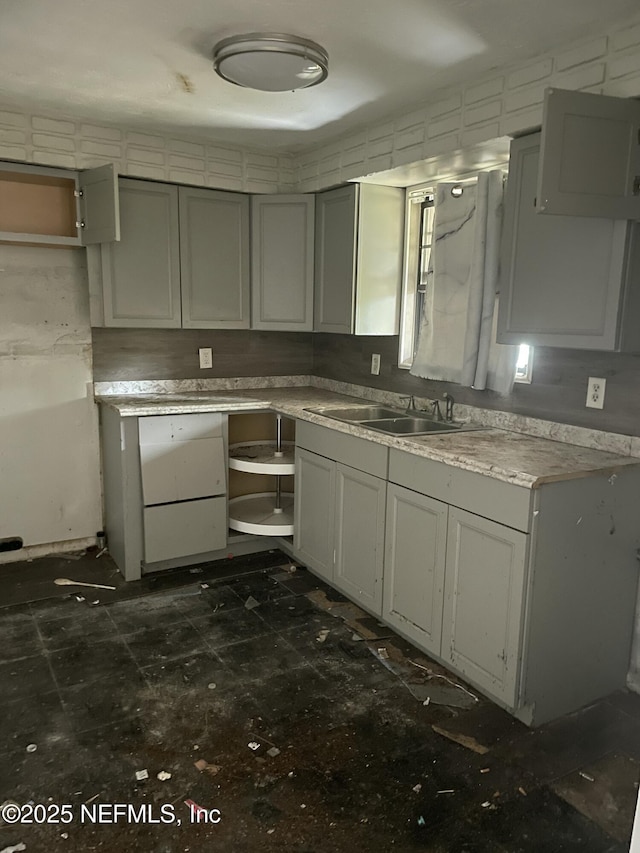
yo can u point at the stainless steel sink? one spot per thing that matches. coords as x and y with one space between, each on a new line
358 414
407 425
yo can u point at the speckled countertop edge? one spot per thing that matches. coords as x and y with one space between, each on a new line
291 399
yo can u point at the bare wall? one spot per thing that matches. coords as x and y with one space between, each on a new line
49 452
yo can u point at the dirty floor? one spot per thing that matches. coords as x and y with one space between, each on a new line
266 713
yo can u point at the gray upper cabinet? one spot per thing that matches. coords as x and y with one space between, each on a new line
214 259
282 240
358 260
590 156
565 281
141 272
58 207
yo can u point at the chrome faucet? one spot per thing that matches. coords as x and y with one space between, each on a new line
411 403
437 414
449 401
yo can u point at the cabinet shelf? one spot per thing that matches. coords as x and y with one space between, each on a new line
257 514
261 457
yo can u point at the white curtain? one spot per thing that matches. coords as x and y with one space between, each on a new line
456 341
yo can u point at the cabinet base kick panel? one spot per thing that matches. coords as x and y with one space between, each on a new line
180 529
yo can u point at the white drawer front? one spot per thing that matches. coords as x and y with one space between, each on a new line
183 470
181 529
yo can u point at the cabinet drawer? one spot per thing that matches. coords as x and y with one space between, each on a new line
181 529
481 495
157 429
182 457
356 452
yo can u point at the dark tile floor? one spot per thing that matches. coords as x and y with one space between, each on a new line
345 758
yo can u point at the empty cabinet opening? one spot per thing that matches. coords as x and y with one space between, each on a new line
261 465
37 204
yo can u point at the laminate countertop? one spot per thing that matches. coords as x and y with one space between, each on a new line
512 457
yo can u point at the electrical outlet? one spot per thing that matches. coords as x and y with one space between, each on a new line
375 364
595 393
206 357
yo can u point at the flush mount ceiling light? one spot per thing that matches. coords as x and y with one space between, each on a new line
271 62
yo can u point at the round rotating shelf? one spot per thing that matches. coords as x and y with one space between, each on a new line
257 514
260 457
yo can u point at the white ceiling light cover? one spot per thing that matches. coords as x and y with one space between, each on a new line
271 62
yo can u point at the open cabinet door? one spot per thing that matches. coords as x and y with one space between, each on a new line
99 205
590 156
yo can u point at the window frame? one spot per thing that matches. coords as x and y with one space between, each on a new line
413 227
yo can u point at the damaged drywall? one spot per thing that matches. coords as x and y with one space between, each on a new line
49 448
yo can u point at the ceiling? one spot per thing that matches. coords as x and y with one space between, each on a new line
147 63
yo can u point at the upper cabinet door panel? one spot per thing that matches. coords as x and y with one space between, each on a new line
561 276
214 259
336 214
590 156
379 260
99 205
282 239
141 273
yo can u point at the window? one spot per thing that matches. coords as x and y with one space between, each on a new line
418 235
524 364
419 218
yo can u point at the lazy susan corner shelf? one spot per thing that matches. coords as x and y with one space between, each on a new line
262 457
260 515
265 513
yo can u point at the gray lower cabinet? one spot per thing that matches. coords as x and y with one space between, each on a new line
565 281
529 594
539 584
359 536
141 272
314 512
282 240
214 259
486 567
165 488
340 511
414 566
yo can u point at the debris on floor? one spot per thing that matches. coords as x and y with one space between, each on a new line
462 740
322 635
358 755
14 848
251 603
163 776
69 582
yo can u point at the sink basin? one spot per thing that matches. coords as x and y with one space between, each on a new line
410 426
358 414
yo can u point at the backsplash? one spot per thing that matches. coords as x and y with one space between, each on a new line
557 393
134 354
